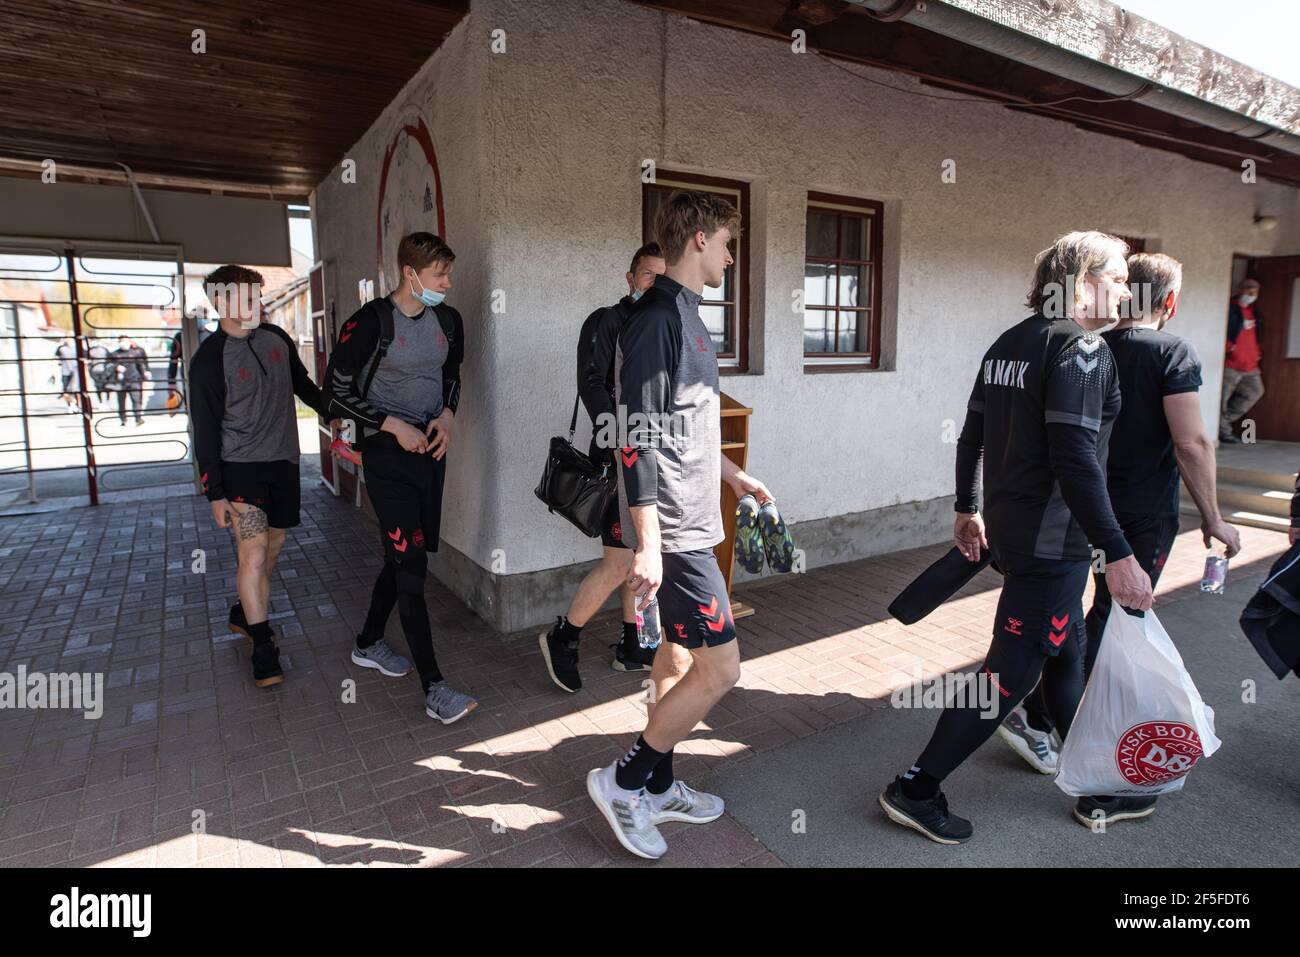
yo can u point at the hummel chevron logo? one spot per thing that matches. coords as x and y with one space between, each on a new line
399 543
1057 634
346 334
629 457
717 619
1089 345
1086 366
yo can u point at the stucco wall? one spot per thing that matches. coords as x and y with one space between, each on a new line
541 149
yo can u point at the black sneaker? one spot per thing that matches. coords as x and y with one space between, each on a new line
931 816
266 665
561 658
1229 440
632 657
1108 810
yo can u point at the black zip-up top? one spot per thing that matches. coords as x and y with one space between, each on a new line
241 398
667 380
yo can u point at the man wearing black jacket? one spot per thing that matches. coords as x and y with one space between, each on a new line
596 344
399 398
242 382
1039 416
130 369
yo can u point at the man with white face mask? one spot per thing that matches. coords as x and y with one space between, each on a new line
394 375
1243 385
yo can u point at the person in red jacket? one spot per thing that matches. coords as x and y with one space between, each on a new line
1243 385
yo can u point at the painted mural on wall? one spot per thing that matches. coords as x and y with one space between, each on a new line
410 192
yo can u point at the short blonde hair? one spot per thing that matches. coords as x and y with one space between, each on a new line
688 211
1058 266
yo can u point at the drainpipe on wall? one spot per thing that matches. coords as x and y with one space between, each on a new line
139 198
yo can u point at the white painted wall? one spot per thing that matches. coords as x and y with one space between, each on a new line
541 149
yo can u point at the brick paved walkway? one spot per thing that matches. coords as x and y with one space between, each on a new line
293 776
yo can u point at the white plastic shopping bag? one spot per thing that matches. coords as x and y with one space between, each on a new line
1142 725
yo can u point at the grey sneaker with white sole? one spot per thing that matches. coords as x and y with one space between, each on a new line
628 814
445 703
683 803
382 658
1035 746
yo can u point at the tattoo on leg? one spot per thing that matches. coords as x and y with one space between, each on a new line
252 523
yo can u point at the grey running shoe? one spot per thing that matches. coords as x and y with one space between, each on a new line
682 803
382 658
445 703
628 814
1032 745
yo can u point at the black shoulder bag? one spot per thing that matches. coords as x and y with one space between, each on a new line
573 486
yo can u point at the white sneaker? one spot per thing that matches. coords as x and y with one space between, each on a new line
683 803
628 814
1032 745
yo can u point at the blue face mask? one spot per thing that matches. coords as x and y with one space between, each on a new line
427 296
636 294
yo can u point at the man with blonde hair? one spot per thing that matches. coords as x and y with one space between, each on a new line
666 371
1157 439
1039 417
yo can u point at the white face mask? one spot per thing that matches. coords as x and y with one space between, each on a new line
1247 298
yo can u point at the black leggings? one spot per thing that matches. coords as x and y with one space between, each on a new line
401 583
1042 601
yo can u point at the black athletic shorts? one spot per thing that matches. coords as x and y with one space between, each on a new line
694 609
611 528
405 491
271 486
1042 601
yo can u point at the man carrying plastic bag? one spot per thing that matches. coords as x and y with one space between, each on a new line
1141 726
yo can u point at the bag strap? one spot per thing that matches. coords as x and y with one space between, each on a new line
385 340
448 327
573 420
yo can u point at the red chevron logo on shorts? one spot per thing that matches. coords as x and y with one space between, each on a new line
346 334
715 624
204 479
399 543
1056 638
1060 623
629 457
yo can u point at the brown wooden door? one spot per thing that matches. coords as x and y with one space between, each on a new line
1277 414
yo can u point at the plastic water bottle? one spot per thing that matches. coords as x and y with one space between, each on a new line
1216 574
648 637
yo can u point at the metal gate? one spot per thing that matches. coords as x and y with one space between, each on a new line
92 382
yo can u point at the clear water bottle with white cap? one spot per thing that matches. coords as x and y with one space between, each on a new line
1216 572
